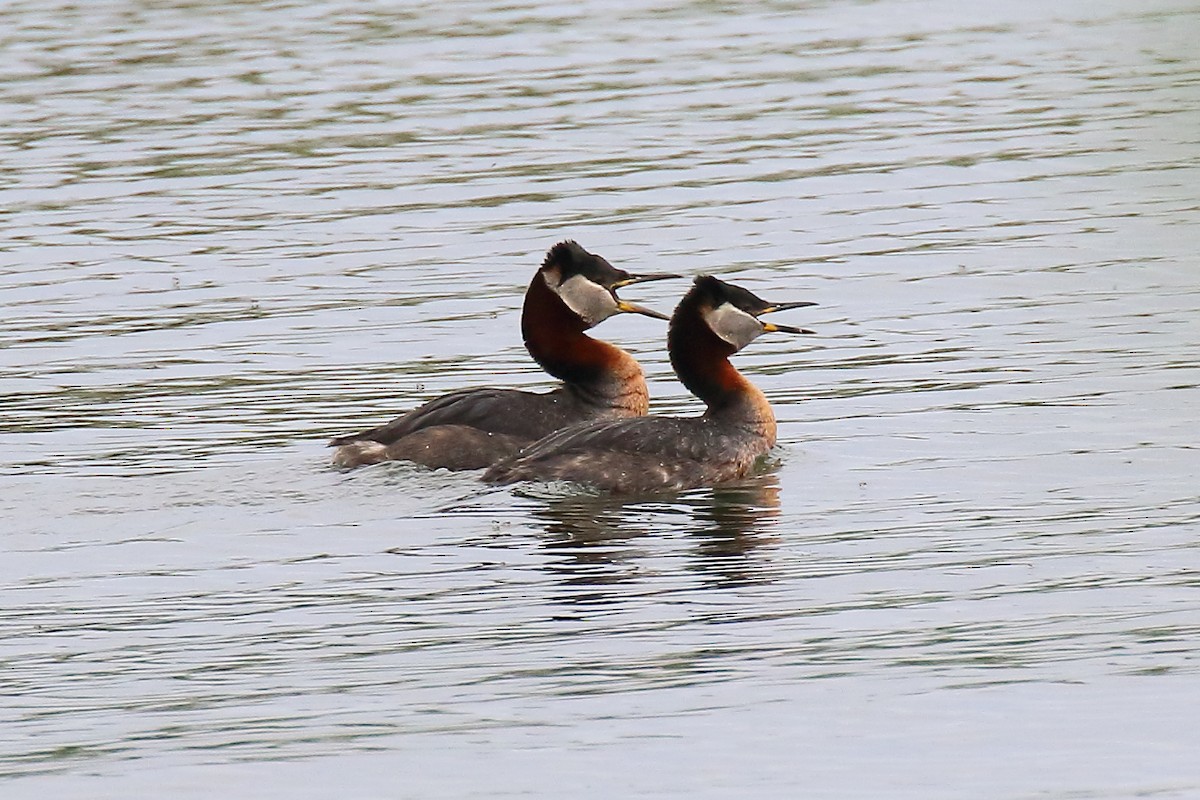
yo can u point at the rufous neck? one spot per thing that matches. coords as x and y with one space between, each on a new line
596 371
701 361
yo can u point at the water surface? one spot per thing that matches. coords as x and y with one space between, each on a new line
232 230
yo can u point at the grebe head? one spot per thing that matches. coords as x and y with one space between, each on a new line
732 313
587 284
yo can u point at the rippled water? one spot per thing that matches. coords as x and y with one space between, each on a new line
233 229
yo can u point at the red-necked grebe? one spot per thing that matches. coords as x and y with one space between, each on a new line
474 428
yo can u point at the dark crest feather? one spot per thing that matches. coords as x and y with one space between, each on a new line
713 292
571 259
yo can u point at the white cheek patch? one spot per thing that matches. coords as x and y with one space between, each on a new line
733 325
591 301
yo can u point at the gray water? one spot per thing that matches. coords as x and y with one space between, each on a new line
233 229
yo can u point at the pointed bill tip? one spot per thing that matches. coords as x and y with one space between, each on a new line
786 306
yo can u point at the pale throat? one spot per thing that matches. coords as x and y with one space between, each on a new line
590 301
733 325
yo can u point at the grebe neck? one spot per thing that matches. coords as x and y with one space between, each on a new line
594 371
700 359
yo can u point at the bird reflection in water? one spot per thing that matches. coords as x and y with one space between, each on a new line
598 535
732 528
